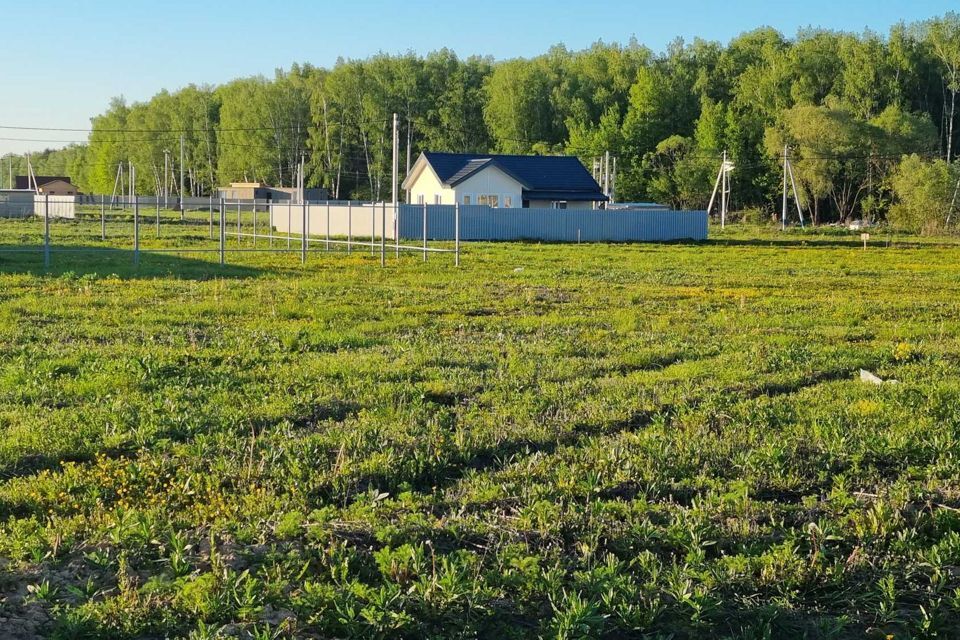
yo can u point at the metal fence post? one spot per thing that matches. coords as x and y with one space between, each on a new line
383 235
211 216
349 228
238 222
254 222
223 231
424 231
103 219
456 235
396 228
373 227
46 230
136 231
158 216
289 222
328 225
303 235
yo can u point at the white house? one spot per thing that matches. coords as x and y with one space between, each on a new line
505 181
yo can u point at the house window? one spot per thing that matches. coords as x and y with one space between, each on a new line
436 198
560 204
466 200
507 202
420 198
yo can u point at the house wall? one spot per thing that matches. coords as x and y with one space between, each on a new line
59 188
238 193
490 181
270 193
287 193
428 186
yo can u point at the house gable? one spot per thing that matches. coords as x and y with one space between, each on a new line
511 178
491 180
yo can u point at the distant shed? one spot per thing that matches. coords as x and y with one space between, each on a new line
49 185
261 191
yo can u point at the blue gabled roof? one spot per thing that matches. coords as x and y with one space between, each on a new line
468 170
560 175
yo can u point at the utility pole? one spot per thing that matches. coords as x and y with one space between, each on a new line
613 188
796 195
181 176
788 173
597 170
31 176
409 142
783 214
396 160
409 152
606 174
166 181
723 186
725 192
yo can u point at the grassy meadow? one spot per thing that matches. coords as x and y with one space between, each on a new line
552 441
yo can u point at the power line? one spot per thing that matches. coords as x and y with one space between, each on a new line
298 126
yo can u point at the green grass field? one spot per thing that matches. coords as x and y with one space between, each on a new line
553 441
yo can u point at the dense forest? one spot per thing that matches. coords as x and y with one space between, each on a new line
870 121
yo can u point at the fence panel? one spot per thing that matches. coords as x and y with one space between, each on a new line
16 204
359 220
479 222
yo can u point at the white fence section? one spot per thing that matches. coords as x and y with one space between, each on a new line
56 206
335 219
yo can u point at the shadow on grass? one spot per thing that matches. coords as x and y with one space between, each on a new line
94 260
824 242
876 242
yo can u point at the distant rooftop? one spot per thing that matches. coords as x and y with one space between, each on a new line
23 182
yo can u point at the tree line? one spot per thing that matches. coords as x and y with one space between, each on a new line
869 121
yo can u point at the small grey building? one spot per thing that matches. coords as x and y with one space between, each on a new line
261 191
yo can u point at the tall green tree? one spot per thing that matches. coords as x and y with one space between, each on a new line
518 110
943 38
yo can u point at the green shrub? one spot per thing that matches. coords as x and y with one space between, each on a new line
924 191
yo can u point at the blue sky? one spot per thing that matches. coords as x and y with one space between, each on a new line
61 64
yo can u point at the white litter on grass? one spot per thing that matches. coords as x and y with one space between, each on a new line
872 378
518 270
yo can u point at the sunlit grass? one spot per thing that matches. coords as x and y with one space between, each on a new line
552 440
